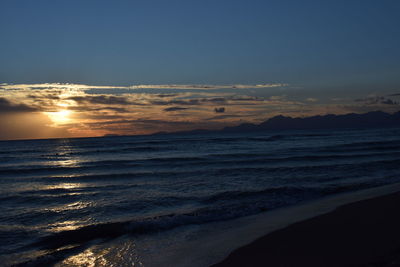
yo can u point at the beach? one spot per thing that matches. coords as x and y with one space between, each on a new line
363 233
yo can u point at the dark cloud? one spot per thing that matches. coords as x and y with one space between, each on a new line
7 106
174 109
188 102
247 98
104 117
144 124
214 100
219 110
164 122
219 117
389 102
191 102
210 101
145 121
85 108
167 95
101 99
47 96
377 100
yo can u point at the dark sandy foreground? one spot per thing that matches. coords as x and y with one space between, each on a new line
364 233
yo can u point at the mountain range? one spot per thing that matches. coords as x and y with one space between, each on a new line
375 119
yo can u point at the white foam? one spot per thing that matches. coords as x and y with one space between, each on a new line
211 243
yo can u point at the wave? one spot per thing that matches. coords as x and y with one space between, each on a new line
169 221
80 148
205 178
373 143
366 144
229 195
60 195
116 229
256 138
208 159
254 167
8 159
158 145
265 158
388 147
120 150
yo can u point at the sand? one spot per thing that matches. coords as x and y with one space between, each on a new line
363 233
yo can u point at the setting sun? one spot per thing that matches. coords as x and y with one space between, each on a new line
60 117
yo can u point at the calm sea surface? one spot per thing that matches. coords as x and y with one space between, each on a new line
70 202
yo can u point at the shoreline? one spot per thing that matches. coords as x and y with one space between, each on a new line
361 233
214 244
211 243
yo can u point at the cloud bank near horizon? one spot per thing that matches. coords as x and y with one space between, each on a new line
76 110
72 86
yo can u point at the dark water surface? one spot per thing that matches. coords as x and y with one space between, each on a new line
60 197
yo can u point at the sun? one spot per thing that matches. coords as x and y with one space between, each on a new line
60 117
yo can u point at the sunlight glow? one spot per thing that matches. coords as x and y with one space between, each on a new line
60 117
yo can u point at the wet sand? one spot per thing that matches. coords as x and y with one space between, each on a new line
363 233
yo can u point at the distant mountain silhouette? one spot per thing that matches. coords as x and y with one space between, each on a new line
375 119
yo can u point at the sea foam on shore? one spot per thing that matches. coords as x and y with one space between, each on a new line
361 233
216 241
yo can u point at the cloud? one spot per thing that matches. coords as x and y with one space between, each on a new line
174 109
28 125
166 95
141 125
176 102
53 96
220 117
219 110
389 102
196 101
377 100
277 97
103 108
6 106
147 126
70 86
129 110
101 99
206 86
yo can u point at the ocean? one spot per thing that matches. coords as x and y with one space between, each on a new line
131 200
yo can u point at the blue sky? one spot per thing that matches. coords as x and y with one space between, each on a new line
137 67
315 44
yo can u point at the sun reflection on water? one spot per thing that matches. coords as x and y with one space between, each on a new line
70 162
62 157
64 186
67 225
116 253
88 258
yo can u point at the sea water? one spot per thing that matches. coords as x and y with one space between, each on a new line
131 200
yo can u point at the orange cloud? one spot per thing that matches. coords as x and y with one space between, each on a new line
73 110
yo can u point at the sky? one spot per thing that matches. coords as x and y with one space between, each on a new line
90 68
